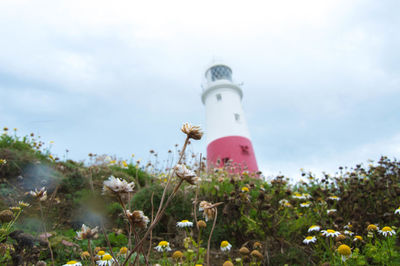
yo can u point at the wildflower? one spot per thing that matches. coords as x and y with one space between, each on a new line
348 226
387 231
6 216
358 238
15 209
177 255
184 223
23 204
117 185
350 233
244 251
245 189
345 251
124 165
225 246
208 210
315 228
106 260
397 211
305 204
298 196
306 196
330 211
372 227
183 173
87 233
330 233
201 224
340 238
137 218
193 132
334 198
73 263
3 161
85 255
123 250
256 254
283 201
41 194
257 245
309 239
227 263
288 205
163 246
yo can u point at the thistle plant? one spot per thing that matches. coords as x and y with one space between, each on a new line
41 196
192 132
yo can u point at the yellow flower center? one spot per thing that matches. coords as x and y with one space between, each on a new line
163 244
297 194
72 262
184 221
123 250
107 257
344 250
101 253
245 189
224 244
309 237
386 229
359 237
372 227
313 226
177 255
330 231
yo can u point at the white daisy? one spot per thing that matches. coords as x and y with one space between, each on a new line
350 233
315 228
73 263
184 223
306 196
334 198
163 246
387 231
330 233
298 196
397 211
309 239
305 204
106 260
348 226
225 246
330 211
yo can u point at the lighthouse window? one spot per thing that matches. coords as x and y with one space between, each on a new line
220 72
219 97
237 117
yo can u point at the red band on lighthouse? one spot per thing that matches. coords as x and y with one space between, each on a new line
235 150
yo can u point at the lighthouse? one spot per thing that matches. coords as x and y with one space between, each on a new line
228 138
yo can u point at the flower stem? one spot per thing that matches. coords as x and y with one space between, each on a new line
209 238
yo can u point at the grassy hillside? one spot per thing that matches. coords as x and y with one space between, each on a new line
251 221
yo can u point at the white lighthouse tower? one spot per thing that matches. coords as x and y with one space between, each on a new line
228 138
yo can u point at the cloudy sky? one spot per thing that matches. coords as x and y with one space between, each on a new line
321 78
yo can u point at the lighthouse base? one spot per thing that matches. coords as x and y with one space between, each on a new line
234 152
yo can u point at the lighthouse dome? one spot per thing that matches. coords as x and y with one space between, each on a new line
218 72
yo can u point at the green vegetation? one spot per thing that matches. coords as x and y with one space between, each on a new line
265 222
